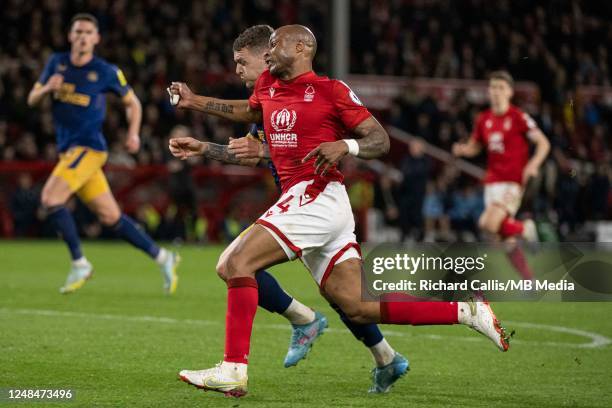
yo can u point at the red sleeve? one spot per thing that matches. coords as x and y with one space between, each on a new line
477 130
526 123
254 102
349 107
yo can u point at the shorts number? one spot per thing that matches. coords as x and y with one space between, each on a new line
284 207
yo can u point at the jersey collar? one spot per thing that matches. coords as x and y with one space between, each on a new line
305 77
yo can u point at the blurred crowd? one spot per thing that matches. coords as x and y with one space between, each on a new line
557 44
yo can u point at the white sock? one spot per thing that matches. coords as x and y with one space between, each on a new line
464 314
82 261
235 370
383 353
298 313
162 256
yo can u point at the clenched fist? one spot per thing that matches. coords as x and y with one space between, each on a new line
182 91
185 147
246 148
54 83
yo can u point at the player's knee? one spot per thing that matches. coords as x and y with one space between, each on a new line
49 200
222 269
486 224
237 266
109 216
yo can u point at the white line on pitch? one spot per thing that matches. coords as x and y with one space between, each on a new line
596 340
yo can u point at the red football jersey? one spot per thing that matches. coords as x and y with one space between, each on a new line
505 138
299 115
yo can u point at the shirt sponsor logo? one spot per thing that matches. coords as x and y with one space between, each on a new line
309 93
68 94
283 121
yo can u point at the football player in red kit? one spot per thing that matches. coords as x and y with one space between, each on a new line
506 131
307 119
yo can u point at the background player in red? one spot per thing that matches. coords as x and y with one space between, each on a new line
306 118
505 131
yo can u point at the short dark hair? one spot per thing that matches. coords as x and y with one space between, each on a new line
255 37
502 75
84 17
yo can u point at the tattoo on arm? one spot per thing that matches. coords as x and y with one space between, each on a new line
212 106
373 141
221 153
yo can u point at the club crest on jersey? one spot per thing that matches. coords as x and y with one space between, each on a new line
61 67
507 124
92 76
272 90
488 123
284 120
309 93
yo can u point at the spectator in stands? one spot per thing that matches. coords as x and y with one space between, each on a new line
24 205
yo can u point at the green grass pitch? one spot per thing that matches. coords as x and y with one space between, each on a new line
119 342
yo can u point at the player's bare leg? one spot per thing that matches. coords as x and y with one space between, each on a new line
343 287
55 194
108 212
307 325
256 250
496 221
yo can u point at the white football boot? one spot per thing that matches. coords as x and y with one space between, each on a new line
227 378
80 272
478 315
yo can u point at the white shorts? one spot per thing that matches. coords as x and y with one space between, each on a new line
506 194
319 230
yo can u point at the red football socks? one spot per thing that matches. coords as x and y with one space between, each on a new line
510 227
517 259
241 308
399 308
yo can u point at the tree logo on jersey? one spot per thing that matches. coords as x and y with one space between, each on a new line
507 124
284 120
309 93
272 90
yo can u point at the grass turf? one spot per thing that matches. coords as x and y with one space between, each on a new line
120 342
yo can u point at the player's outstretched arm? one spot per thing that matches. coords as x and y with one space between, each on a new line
133 112
235 110
38 91
542 148
185 147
